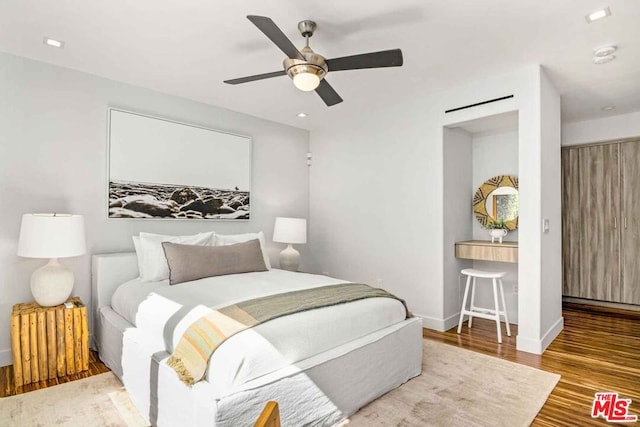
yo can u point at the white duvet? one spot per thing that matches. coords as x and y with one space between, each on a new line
162 313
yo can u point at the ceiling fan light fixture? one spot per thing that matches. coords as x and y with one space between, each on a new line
306 74
306 82
306 68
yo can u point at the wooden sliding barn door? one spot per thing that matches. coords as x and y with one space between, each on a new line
630 231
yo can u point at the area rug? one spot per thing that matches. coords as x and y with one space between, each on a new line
462 388
84 402
457 387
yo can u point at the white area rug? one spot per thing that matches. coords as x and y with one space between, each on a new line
457 388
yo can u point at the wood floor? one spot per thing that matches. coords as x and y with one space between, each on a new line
8 388
598 350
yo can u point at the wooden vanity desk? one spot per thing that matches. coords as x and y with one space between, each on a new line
484 250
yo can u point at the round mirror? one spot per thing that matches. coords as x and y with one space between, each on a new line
497 200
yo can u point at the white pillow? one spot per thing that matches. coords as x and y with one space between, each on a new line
136 245
154 263
230 239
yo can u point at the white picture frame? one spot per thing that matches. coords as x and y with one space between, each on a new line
164 169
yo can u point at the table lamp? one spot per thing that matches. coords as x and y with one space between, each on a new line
51 236
290 231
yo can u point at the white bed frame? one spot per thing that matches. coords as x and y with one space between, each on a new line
321 394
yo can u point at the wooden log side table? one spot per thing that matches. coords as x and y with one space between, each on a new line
48 342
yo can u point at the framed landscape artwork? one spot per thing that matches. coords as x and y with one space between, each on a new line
162 169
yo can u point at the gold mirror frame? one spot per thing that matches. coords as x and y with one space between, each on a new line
479 199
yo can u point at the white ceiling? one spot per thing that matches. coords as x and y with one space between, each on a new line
188 48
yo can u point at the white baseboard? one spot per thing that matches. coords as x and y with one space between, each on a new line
5 358
538 346
439 325
451 321
552 333
529 345
442 325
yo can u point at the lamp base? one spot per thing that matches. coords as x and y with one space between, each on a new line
52 284
289 259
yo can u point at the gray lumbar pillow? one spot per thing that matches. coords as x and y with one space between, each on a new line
193 262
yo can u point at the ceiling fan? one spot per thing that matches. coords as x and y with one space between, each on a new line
308 68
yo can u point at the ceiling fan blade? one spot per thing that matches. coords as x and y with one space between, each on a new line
328 94
385 58
256 77
271 30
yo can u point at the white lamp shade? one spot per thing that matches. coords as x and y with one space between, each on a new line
51 236
290 230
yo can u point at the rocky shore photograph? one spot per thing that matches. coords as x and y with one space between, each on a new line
161 169
141 200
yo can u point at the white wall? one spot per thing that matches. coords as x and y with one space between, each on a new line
53 128
495 153
538 260
376 210
608 128
551 278
457 205
377 192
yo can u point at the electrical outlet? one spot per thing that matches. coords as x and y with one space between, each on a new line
515 288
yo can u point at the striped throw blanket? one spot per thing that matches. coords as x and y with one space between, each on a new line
191 356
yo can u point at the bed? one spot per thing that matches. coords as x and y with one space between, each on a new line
320 365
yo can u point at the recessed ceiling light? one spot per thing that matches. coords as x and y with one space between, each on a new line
53 42
598 14
599 60
302 115
608 108
605 51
